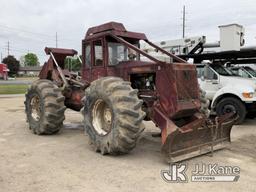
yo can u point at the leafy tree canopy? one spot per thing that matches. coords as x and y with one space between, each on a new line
31 59
73 64
13 64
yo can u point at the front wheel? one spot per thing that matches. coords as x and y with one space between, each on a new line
113 115
231 104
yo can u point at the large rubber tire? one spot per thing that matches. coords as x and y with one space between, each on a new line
229 104
120 134
44 106
204 103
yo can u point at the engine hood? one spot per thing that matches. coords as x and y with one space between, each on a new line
238 82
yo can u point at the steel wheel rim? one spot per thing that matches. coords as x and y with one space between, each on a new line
102 117
229 108
35 108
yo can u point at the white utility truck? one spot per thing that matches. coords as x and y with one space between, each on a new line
226 91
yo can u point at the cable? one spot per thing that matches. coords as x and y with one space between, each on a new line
22 30
53 37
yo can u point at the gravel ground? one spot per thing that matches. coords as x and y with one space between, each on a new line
66 162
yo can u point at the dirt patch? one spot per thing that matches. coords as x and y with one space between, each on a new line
245 146
14 110
66 162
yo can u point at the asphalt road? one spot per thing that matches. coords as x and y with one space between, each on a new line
66 162
16 82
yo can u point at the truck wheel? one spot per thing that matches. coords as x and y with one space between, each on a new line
113 115
44 107
251 115
204 103
230 104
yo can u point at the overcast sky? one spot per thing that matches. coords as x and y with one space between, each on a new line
31 25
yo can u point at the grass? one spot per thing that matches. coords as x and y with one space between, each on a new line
27 78
13 89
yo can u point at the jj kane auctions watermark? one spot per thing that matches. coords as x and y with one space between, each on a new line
177 173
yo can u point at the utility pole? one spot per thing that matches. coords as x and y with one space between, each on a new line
68 63
8 48
183 21
1 57
56 38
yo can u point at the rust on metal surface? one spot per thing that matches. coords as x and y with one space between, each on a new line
170 91
114 28
60 51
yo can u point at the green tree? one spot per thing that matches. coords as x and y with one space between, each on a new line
73 64
13 64
31 59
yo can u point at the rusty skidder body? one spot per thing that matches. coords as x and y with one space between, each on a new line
117 91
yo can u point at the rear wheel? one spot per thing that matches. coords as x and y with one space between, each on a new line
251 115
45 108
231 104
113 115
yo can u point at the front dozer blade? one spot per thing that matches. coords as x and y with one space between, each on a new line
196 138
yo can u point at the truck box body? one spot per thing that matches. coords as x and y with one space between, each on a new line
3 71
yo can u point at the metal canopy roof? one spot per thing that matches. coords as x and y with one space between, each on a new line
114 28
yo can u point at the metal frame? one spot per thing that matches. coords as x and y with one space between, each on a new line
176 95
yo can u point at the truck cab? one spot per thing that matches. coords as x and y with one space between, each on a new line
227 91
102 56
110 50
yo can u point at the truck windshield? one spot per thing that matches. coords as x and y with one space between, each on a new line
117 52
222 71
251 71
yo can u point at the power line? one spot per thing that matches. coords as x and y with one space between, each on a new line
53 37
23 51
37 37
25 39
26 31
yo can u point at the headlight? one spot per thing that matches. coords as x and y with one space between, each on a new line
248 94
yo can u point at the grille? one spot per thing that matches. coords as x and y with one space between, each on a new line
187 85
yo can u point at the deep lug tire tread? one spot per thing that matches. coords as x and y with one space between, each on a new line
127 112
52 104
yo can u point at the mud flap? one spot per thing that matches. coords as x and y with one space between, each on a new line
196 138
